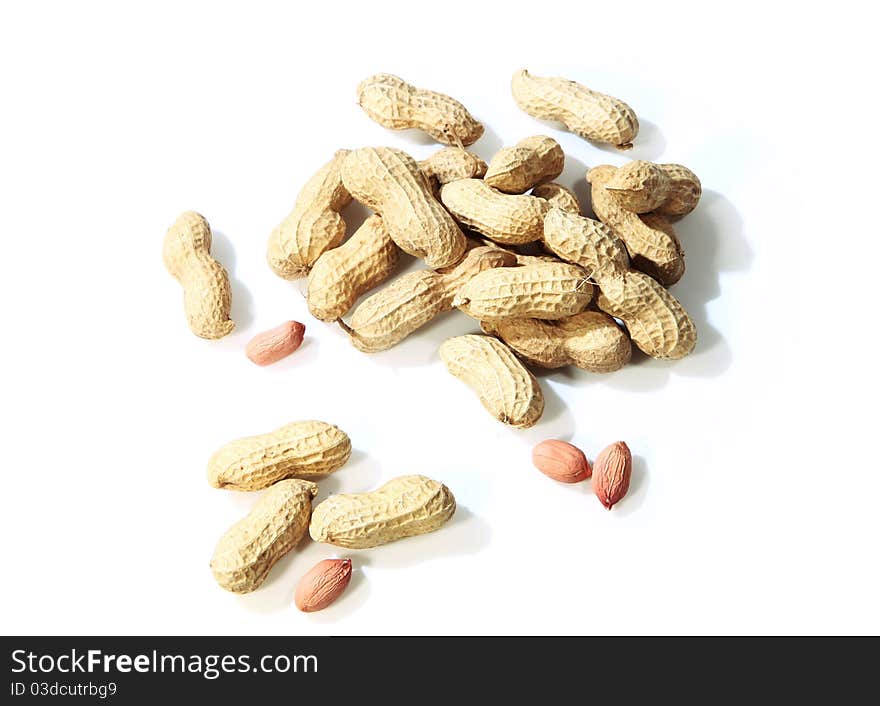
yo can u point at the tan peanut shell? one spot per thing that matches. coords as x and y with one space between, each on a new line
683 191
668 189
207 297
393 313
251 547
532 161
314 226
508 391
271 346
452 164
650 239
540 290
341 275
404 507
309 449
390 182
590 340
398 105
558 196
589 114
505 218
656 321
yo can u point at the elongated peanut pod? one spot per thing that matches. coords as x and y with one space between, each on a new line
590 340
271 346
589 114
309 449
508 391
651 241
251 547
505 218
558 196
314 226
390 182
341 275
207 297
404 507
393 313
540 290
585 242
398 105
639 186
532 161
452 164
683 191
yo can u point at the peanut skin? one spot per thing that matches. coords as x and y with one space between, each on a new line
322 585
271 346
207 297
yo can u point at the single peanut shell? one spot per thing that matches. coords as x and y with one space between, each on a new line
612 471
585 242
207 297
341 275
398 105
639 186
683 191
393 313
314 226
558 196
532 161
309 449
251 547
540 290
390 182
322 584
271 346
508 391
451 164
561 461
505 218
589 114
651 241
590 340
404 507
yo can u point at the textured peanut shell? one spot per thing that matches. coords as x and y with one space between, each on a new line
558 196
398 105
508 391
540 290
505 218
314 226
639 186
590 340
589 114
341 275
585 242
251 547
393 313
532 161
390 182
656 321
652 243
683 191
207 297
404 507
452 164
309 449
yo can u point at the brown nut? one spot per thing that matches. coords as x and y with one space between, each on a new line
561 461
612 471
271 346
322 584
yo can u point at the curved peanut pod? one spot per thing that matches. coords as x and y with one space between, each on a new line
589 114
452 164
558 196
590 340
251 547
404 507
508 391
656 321
207 297
506 218
683 191
652 244
308 449
341 275
398 105
540 290
585 242
314 226
390 182
393 313
532 161
639 186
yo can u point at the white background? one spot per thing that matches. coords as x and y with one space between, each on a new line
755 494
